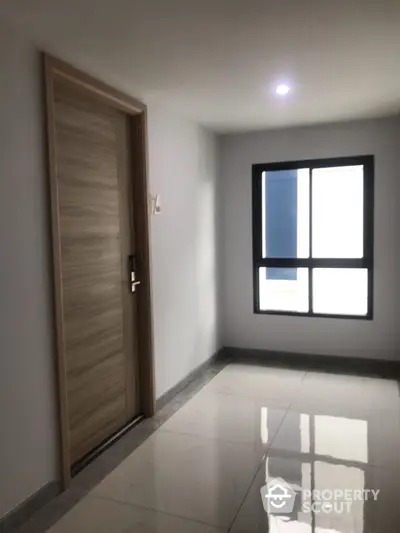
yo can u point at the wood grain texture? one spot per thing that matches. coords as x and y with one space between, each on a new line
94 246
93 232
112 97
57 275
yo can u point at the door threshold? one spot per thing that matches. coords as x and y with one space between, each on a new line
103 446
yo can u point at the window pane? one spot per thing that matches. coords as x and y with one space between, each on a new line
342 291
285 213
337 210
280 293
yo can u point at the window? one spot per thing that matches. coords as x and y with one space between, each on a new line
313 237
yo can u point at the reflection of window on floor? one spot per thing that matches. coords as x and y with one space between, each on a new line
329 476
264 425
305 433
319 452
332 438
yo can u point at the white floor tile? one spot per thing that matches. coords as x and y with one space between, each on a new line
192 477
278 385
354 393
359 517
228 417
96 515
370 438
204 468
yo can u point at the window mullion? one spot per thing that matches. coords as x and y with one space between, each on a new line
310 272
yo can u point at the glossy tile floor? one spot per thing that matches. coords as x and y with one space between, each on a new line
203 469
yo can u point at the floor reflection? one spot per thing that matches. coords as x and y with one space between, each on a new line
327 467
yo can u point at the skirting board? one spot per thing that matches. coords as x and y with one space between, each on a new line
389 369
11 522
176 389
17 517
315 362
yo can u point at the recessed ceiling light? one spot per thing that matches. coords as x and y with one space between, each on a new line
282 89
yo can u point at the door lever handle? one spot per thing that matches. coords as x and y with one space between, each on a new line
132 268
133 285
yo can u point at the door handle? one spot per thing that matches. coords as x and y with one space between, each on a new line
133 285
132 268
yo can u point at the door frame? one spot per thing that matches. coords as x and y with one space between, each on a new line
137 112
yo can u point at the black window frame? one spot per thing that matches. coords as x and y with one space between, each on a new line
366 262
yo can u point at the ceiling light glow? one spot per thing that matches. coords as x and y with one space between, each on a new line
282 89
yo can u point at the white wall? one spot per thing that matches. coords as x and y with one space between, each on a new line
183 171
27 401
379 338
182 163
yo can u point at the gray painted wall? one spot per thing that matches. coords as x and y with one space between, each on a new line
28 458
241 328
183 170
182 163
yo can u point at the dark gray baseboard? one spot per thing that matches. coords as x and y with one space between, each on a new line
315 362
180 393
194 374
105 463
17 517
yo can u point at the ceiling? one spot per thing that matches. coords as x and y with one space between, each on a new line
218 61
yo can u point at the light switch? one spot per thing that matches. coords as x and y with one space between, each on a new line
156 204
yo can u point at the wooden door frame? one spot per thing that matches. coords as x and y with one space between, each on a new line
137 112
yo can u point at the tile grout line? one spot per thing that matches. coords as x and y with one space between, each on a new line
133 505
152 509
168 410
256 472
174 406
264 457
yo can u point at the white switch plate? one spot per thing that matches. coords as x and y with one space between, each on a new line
156 204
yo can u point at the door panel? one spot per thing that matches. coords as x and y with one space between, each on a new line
96 237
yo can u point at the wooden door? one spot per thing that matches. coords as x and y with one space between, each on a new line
96 236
